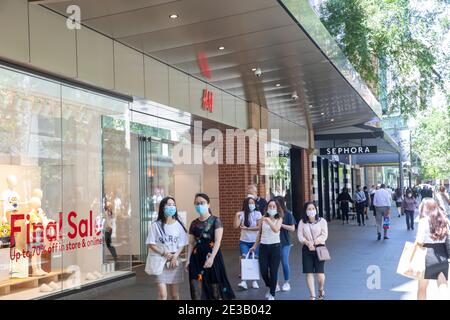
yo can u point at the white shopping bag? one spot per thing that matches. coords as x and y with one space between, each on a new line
250 268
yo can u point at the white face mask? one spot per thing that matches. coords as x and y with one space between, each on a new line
311 213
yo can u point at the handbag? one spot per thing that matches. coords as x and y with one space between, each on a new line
250 268
155 262
412 261
322 251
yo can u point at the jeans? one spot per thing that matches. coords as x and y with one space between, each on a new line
245 247
108 244
269 262
409 219
285 250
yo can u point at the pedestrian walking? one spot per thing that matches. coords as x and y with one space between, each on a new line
168 237
367 203
312 233
261 203
207 275
287 227
409 205
382 204
108 230
270 246
360 203
373 189
249 222
432 233
343 201
398 198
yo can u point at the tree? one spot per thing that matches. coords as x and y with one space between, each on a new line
431 142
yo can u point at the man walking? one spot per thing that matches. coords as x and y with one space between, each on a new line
382 204
360 202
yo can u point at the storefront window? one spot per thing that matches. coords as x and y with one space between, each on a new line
278 172
56 174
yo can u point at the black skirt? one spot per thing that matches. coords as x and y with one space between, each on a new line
436 261
310 261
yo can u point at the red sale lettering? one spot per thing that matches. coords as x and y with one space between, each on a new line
72 225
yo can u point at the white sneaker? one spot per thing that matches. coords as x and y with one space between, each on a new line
98 274
268 294
277 288
243 285
45 288
90 276
54 286
271 297
255 285
286 286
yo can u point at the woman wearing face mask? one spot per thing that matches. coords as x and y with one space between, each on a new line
270 247
249 221
207 276
313 232
170 231
409 205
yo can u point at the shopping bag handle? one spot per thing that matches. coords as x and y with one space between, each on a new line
248 254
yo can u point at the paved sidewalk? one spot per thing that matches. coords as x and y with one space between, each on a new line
353 249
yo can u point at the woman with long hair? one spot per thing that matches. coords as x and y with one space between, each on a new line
207 276
249 221
313 232
432 233
270 248
398 198
168 232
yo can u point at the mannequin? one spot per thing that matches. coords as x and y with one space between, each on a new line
10 199
37 216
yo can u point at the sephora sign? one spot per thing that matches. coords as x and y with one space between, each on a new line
348 150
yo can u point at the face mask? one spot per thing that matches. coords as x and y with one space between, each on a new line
311 213
201 209
272 212
251 207
169 211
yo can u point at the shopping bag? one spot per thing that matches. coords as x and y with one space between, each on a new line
412 261
386 223
250 268
155 263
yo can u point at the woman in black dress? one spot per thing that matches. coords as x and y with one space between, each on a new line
207 276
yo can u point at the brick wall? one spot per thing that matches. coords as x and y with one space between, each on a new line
233 182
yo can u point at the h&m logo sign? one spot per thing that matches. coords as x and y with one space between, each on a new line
207 100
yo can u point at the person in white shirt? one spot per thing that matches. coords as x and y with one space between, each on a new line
313 232
432 233
168 237
270 246
249 221
382 204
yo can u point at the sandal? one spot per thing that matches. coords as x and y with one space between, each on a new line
321 294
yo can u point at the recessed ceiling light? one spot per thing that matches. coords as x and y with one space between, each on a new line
310 105
221 48
253 69
174 16
322 113
277 85
332 120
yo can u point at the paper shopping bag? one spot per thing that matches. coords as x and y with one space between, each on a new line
412 261
250 268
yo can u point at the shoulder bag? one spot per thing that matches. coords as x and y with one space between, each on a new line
155 261
322 252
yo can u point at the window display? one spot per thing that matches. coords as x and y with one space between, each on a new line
54 173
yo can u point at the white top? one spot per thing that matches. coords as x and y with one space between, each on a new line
250 235
318 230
423 232
268 236
109 219
382 198
174 236
10 200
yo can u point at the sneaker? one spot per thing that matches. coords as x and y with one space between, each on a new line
278 289
46 288
386 238
243 285
379 237
271 297
267 294
54 286
255 285
90 277
286 286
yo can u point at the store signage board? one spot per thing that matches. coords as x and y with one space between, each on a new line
348 150
207 100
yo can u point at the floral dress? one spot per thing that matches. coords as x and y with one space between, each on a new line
207 283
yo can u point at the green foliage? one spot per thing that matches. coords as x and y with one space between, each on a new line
431 142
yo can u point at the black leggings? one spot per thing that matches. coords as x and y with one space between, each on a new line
344 214
108 244
269 262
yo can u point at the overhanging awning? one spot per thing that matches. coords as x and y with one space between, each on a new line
254 34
